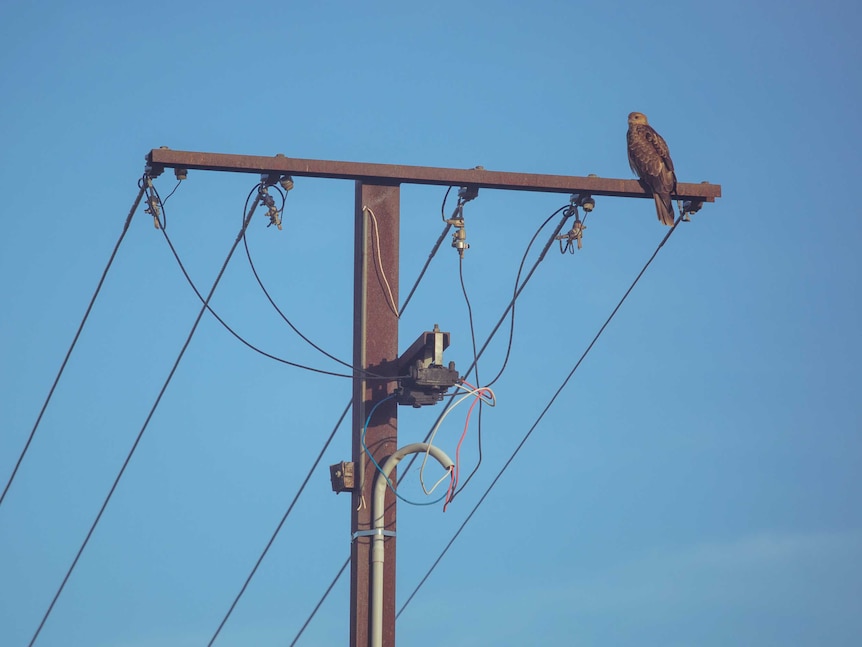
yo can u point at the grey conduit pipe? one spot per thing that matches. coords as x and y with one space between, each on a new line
377 510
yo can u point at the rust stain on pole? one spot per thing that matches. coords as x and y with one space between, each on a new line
161 158
375 347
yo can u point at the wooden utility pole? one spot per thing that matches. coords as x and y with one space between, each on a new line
375 342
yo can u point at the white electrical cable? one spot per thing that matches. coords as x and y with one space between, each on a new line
490 401
392 303
481 392
442 478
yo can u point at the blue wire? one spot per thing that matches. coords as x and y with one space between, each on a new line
380 469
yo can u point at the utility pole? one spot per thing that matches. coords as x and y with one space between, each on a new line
375 349
375 342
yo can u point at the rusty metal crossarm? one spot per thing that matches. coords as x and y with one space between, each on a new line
161 158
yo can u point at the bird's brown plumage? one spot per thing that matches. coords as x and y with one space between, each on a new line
650 160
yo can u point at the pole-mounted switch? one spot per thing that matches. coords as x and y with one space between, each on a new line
428 379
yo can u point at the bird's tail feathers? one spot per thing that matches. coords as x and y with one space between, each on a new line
664 209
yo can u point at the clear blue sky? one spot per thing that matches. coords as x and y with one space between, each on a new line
696 483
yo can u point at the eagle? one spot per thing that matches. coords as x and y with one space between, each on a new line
649 158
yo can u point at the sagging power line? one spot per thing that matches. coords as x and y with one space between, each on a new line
135 203
149 417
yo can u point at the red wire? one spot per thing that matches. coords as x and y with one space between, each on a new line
451 489
453 481
456 472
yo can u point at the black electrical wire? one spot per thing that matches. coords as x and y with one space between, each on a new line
434 250
321 601
289 323
460 487
519 289
499 323
404 472
539 419
443 206
535 424
148 184
282 315
523 285
74 339
475 367
167 197
475 469
476 373
237 336
433 253
347 561
364 373
278 529
313 467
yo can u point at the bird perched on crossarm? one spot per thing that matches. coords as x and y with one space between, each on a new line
650 160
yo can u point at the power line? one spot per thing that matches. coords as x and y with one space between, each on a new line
313 467
508 345
433 253
421 274
320 602
272 301
544 252
520 289
535 424
475 366
510 306
147 183
476 372
236 335
425 267
538 420
75 339
278 529
167 197
282 315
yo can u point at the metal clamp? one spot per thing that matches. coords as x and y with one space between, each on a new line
372 533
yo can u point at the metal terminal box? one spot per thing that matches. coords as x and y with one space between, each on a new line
428 379
341 475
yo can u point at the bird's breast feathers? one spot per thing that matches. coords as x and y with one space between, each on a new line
648 152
